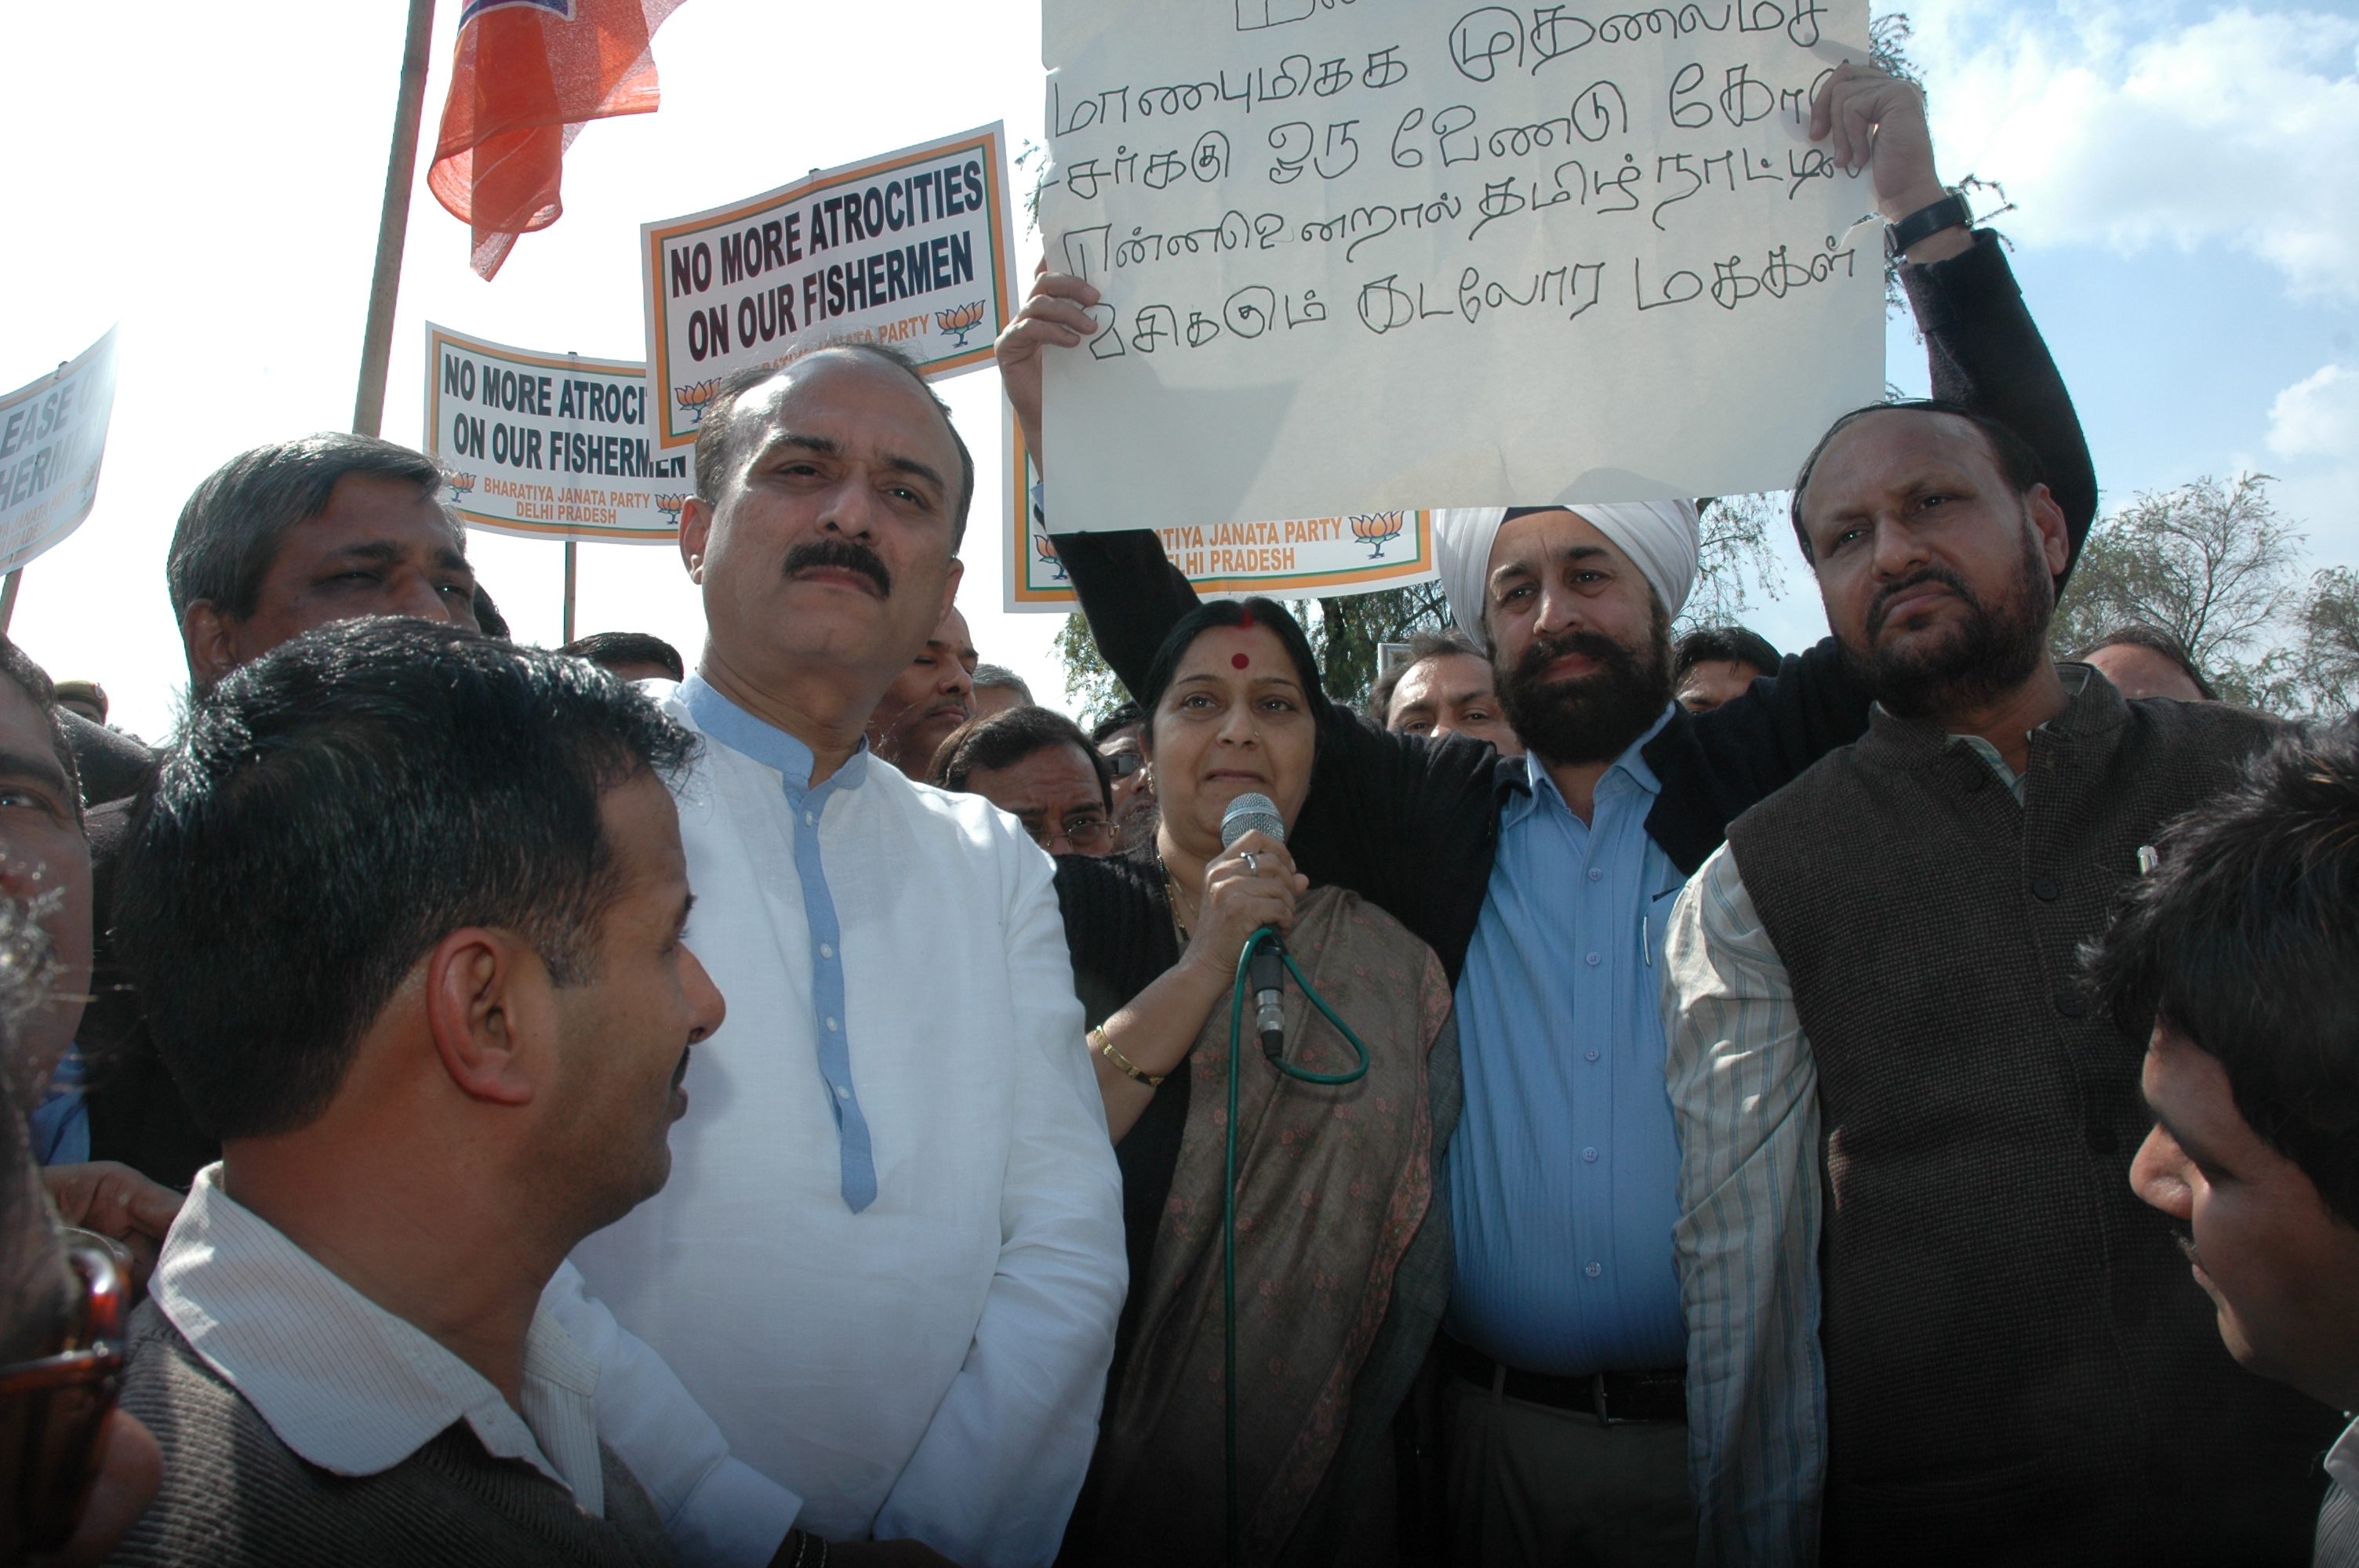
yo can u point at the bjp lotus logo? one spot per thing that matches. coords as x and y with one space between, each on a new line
1043 546
693 399
670 506
962 320
460 483
1376 529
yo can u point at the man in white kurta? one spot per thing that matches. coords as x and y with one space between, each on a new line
889 1260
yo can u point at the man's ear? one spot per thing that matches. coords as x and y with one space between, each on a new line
488 1009
695 536
951 587
211 638
2055 536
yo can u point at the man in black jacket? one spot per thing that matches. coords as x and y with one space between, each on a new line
1530 879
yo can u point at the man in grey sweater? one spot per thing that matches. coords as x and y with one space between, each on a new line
407 907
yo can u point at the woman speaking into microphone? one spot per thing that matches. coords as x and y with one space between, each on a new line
1343 1245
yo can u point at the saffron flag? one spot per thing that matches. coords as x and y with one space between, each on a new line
529 74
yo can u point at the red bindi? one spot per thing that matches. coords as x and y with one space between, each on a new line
1239 660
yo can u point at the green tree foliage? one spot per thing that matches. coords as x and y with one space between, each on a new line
2213 564
1091 684
2328 651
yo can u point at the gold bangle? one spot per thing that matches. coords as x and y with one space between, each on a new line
1123 1063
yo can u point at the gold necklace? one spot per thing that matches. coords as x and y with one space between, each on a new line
1171 899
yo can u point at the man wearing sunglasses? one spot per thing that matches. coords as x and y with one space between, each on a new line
75 1472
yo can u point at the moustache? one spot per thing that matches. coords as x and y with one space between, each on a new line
1881 605
1611 656
842 553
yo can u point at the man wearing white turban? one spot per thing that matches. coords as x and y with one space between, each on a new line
1544 883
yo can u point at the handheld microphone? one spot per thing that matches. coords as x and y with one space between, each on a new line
1256 813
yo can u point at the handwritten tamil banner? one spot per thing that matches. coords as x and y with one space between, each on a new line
1309 557
52 442
910 249
551 445
1359 257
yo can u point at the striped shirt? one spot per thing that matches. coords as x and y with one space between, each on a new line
1744 1092
344 1383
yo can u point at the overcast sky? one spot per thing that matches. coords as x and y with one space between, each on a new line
2189 239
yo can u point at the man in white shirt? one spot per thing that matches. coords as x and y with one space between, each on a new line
890 1259
2240 952
405 908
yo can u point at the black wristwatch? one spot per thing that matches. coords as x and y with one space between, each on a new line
1926 221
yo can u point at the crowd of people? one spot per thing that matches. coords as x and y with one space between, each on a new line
1893 1102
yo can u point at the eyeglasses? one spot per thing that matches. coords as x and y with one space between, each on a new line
54 1407
1122 764
1084 834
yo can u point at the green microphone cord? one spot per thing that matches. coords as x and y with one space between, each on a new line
1229 1193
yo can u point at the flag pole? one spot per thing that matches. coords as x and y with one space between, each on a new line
393 223
568 590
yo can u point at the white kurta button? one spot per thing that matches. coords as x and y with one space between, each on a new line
825 951
830 1026
842 1093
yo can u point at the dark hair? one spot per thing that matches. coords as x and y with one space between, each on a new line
229 532
1122 717
488 619
2154 639
2019 463
1723 645
1206 617
2245 940
1003 740
335 808
720 449
999 677
608 649
1422 645
35 683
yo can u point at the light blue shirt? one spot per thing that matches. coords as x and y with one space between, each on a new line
1564 1173
739 731
60 1123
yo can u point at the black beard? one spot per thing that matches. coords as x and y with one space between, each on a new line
1592 718
1994 652
844 553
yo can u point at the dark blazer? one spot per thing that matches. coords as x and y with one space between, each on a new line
1411 824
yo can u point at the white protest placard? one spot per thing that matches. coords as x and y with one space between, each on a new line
1397 254
555 446
52 441
1312 557
910 249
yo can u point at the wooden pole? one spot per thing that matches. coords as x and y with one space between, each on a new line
393 222
8 598
568 591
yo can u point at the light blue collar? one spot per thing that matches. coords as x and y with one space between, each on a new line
768 744
1629 764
